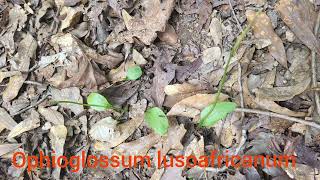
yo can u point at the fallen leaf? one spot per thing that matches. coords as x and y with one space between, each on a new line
6 121
192 106
104 130
26 125
138 58
145 28
57 137
72 16
120 73
176 89
119 94
157 174
300 17
204 11
299 73
169 35
263 29
211 54
164 74
51 115
7 74
20 62
68 94
7 148
216 31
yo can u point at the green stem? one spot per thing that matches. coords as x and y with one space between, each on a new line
87 105
224 77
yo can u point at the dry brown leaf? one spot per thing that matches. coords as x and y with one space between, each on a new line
57 136
169 35
51 115
192 106
153 20
83 70
168 143
263 29
72 16
176 89
216 31
211 55
120 73
104 130
300 75
20 62
127 128
26 125
300 17
138 58
163 76
6 121
4 75
7 148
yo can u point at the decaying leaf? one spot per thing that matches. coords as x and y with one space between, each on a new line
57 136
216 31
4 75
300 75
211 55
104 130
6 148
192 106
163 76
263 29
120 73
153 20
83 70
20 62
169 35
51 115
300 17
138 58
72 16
6 120
26 125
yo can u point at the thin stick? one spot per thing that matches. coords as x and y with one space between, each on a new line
314 72
271 114
31 106
235 17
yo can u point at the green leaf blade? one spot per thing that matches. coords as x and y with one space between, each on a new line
220 111
98 102
157 120
134 73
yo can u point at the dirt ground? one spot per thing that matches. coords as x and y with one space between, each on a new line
108 78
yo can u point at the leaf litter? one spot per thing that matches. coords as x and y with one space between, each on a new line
168 56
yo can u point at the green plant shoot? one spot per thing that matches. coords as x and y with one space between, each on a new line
157 120
134 73
207 119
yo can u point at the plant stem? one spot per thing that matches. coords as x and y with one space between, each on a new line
87 105
224 77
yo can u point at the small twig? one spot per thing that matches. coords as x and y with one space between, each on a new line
235 17
31 106
309 123
314 72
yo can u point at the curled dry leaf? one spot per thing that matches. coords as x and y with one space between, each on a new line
26 125
7 148
184 88
138 58
192 106
83 70
72 16
104 130
168 143
51 115
120 73
57 136
20 62
169 35
300 75
257 102
145 28
300 17
6 120
262 28
127 128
